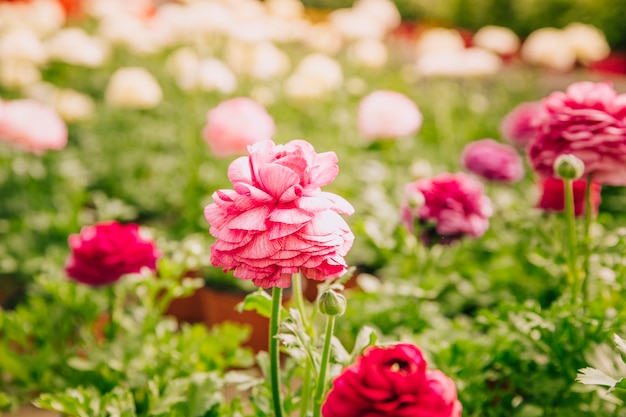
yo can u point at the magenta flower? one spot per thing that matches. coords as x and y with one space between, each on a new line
520 125
388 115
101 254
31 126
492 161
277 221
392 381
236 123
588 121
447 206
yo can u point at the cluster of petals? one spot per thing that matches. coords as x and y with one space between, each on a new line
493 161
588 120
385 114
236 123
447 205
276 221
31 126
101 254
553 195
392 381
520 124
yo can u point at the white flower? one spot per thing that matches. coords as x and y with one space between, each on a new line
133 87
498 39
18 74
41 16
470 62
549 47
287 9
136 34
21 44
588 42
183 64
74 106
214 75
383 11
262 61
324 38
354 24
370 53
439 40
75 46
316 76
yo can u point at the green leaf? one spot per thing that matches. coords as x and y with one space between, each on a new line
365 338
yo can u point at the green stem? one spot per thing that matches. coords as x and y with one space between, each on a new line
277 295
570 237
321 383
587 240
111 328
305 393
299 301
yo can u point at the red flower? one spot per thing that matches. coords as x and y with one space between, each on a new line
102 253
493 161
448 205
588 121
277 221
553 197
392 381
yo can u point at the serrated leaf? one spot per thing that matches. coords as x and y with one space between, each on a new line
366 337
620 343
593 376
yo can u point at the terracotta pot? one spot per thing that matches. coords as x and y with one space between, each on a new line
187 309
220 306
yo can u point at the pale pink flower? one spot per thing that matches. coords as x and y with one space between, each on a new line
387 114
493 161
588 120
236 123
520 124
276 221
447 206
31 126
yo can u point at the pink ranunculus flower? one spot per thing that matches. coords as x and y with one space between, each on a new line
276 221
387 114
588 120
553 196
493 161
32 126
520 125
101 254
236 123
447 206
392 381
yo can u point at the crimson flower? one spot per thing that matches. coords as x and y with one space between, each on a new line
392 381
588 120
553 195
101 254
276 221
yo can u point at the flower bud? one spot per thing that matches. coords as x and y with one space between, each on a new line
569 167
332 303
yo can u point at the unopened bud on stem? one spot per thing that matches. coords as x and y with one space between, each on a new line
569 167
331 303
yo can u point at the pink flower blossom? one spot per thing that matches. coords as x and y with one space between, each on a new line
388 115
31 126
392 381
101 254
493 161
447 206
553 196
236 123
519 125
277 221
588 121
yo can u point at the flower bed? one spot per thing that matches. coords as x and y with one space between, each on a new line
470 184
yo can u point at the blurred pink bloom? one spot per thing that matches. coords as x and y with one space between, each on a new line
103 253
277 221
553 196
387 114
588 121
31 126
448 206
492 161
392 381
519 125
236 123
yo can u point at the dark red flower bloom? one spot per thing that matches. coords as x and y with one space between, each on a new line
102 253
553 196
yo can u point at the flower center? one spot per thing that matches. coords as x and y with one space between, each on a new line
399 366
